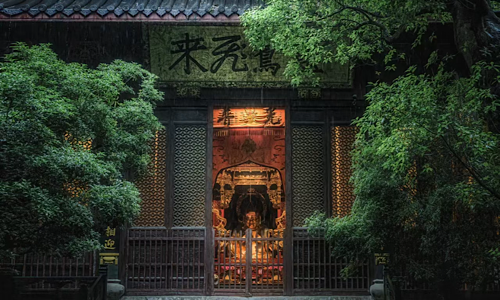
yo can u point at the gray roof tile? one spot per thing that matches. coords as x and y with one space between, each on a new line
130 7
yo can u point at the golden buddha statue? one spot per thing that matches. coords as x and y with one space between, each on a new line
261 250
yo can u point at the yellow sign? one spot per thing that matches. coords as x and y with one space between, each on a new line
249 117
108 258
219 56
110 231
109 244
381 258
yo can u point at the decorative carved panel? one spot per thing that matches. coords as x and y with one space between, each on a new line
308 175
152 186
189 176
234 146
343 138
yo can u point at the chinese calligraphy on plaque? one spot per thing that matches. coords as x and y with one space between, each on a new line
220 56
185 47
249 117
110 255
227 48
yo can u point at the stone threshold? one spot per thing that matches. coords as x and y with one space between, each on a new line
242 298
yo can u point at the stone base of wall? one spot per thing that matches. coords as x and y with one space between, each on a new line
253 298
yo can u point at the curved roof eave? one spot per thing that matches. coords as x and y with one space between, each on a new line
126 10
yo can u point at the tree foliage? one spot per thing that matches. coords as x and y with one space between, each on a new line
426 161
427 177
314 32
68 136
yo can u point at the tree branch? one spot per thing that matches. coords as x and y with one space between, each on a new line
332 14
387 36
470 170
366 13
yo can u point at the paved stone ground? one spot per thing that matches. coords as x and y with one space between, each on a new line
242 298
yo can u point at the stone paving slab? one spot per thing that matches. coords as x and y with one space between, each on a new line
241 298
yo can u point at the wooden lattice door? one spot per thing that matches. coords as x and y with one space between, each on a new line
248 262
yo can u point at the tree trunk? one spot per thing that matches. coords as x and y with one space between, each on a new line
477 37
477 31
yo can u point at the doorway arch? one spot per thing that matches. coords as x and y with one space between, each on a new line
245 187
249 222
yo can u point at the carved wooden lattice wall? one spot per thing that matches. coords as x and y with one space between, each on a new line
152 186
342 190
189 176
308 175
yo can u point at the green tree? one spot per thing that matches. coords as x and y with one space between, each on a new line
68 135
426 161
314 32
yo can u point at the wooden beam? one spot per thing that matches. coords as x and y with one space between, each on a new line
288 238
209 242
169 182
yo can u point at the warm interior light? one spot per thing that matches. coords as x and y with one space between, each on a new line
248 117
152 185
343 138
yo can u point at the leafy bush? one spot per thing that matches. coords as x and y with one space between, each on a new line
68 135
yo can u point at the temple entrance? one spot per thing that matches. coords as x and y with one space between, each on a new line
249 222
248 207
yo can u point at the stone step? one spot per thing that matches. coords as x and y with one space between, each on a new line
242 298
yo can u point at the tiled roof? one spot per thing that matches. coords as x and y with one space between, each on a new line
130 7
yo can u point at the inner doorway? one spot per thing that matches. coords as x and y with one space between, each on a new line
248 207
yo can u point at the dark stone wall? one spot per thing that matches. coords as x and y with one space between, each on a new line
89 43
